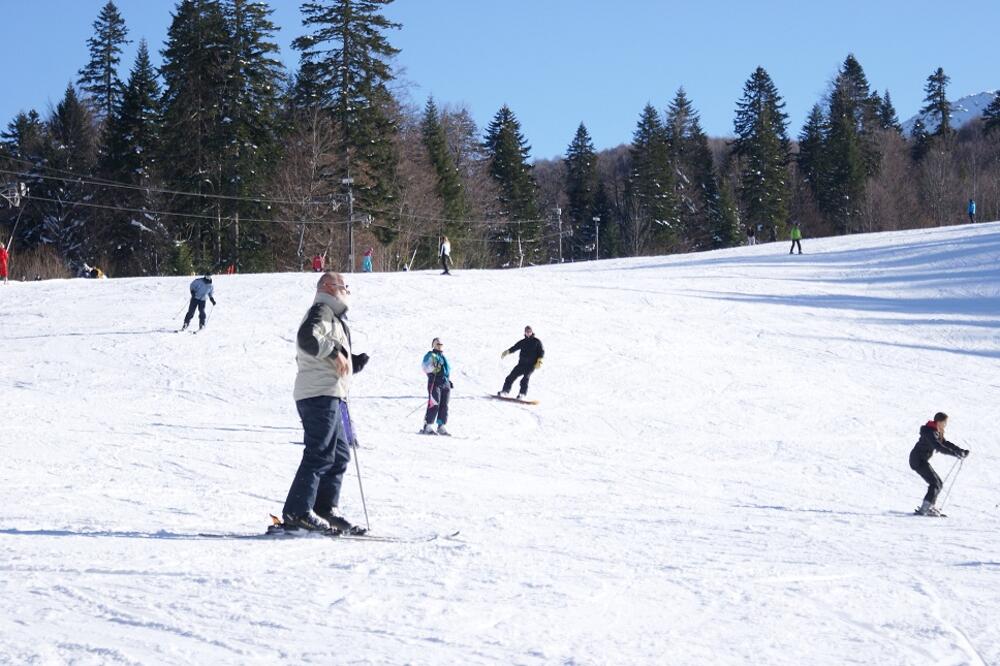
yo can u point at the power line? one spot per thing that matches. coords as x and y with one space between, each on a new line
94 180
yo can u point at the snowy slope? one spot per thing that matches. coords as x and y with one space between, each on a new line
717 472
963 110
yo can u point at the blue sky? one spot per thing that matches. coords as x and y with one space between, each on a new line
561 62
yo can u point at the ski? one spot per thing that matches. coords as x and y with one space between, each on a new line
505 399
281 535
930 515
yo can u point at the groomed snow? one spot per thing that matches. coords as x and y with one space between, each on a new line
716 473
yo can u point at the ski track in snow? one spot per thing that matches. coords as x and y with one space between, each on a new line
716 472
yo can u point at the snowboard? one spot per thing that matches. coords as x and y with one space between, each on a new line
522 401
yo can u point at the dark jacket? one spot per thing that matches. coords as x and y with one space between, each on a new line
531 350
930 441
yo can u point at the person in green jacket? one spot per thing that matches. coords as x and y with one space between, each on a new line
796 237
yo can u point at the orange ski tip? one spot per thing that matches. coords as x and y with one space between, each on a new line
274 519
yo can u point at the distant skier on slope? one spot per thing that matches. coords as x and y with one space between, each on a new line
201 289
751 234
4 257
439 386
932 439
796 237
445 253
325 368
529 360
972 211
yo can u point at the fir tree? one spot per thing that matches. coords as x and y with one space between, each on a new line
21 152
696 185
449 184
845 174
507 150
991 115
887 115
727 234
811 150
348 68
195 67
762 146
651 184
920 141
608 232
100 77
936 102
581 192
711 227
254 78
70 146
23 137
136 239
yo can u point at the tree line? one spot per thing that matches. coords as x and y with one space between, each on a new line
222 159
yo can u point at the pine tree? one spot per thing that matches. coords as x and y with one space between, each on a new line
680 145
711 228
349 57
991 115
195 67
845 174
516 239
696 185
608 231
23 137
936 102
70 146
762 146
100 77
811 150
254 78
887 115
137 240
651 185
581 193
727 234
920 141
449 184
21 153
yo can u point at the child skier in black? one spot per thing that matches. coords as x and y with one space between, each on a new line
931 439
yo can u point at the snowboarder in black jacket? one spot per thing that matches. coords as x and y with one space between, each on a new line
529 360
932 439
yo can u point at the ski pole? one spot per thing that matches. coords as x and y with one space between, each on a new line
364 505
352 441
961 461
948 475
423 403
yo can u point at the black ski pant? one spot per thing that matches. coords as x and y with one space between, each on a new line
317 482
444 263
927 473
522 370
438 394
794 243
200 305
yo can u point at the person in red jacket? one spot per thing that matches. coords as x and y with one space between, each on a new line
4 256
318 262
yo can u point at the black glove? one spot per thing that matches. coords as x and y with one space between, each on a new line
963 453
451 384
358 362
212 299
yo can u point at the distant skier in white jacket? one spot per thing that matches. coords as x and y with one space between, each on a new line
445 253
